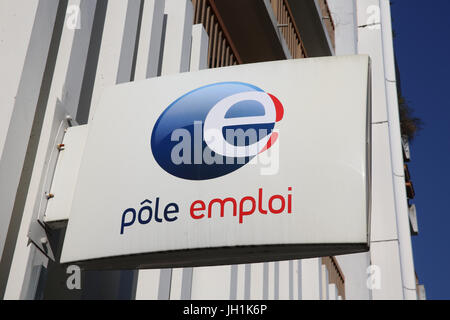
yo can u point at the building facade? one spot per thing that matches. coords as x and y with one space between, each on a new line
59 56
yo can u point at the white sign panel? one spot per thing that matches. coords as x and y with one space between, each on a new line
248 163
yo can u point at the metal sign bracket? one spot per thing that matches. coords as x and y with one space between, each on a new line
39 232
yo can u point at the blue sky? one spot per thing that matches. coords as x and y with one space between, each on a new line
422 48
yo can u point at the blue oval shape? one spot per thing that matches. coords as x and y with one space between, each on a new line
177 141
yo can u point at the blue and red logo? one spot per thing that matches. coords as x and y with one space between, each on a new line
215 129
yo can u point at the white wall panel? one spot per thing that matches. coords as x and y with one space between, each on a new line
147 61
211 283
176 58
370 42
404 234
344 18
297 280
284 280
64 94
271 287
176 284
199 49
147 285
385 256
332 292
240 283
375 38
311 279
177 43
324 282
26 33
16 26
74 47
256 281
354 267
383 221
117 47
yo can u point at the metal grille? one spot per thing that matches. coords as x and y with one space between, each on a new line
221 51
288 28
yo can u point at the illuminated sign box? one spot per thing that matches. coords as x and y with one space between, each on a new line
250 163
